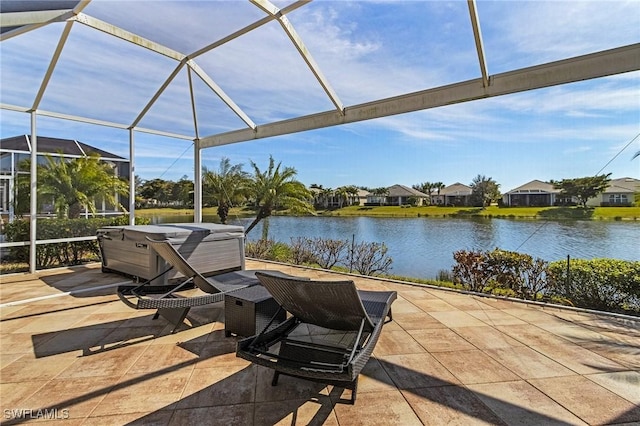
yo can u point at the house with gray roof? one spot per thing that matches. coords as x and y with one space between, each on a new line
620 192
15 150
535 193
400 195
457 194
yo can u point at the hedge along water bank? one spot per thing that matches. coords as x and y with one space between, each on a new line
601 284
61 254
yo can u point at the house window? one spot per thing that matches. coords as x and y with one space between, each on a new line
618 199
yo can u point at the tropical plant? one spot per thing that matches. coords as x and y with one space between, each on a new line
156 189
484 190
227 187
426 188
76 184
275 188
583 188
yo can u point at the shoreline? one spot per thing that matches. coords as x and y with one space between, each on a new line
492 212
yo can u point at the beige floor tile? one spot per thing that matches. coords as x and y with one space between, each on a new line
474 367
486 337
11 325
627 355
77 396
441 340
222 415
296 411
17 343
73 342
25 370
155 418
416 321
160 357
465 302
143 394
379 408
624 383
495 317
579 359
450 405
531 335
588 400
13 395
402 306
102 338
6 359
457 319
396 342
412 294
219 386
10 312
434 305
374 378
112 363
416 371
528 363
519 403
50 323
574 333
534 315
287 387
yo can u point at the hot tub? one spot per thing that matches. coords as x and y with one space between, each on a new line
211 248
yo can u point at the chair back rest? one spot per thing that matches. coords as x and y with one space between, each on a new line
330 304
168 252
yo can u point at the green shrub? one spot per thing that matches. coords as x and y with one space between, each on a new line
280 252
259 249
60 254
501 272
602 284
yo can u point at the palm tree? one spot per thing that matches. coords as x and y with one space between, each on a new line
439 186
75 184
341 193
276 188
380 194
228 186
352 192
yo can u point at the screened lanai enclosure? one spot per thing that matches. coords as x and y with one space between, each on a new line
204 74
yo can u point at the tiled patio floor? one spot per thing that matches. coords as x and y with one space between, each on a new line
447 358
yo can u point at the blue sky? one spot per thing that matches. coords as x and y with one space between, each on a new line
367 50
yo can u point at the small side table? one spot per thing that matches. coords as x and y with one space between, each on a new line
248 311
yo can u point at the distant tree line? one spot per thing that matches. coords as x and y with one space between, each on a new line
75 185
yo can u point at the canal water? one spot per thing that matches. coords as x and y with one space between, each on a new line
421 247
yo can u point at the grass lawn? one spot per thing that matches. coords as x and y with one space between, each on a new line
600 213
597 213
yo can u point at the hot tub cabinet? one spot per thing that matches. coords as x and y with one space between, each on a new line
211 248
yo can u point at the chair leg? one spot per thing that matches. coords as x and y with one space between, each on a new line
353 392
175 316
274 381
390 316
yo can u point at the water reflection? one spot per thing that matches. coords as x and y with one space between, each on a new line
420 247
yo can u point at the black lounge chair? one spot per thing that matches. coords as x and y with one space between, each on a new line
329 336
166 300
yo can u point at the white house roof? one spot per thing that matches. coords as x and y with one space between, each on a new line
535 187
404 191
624 185
456 189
